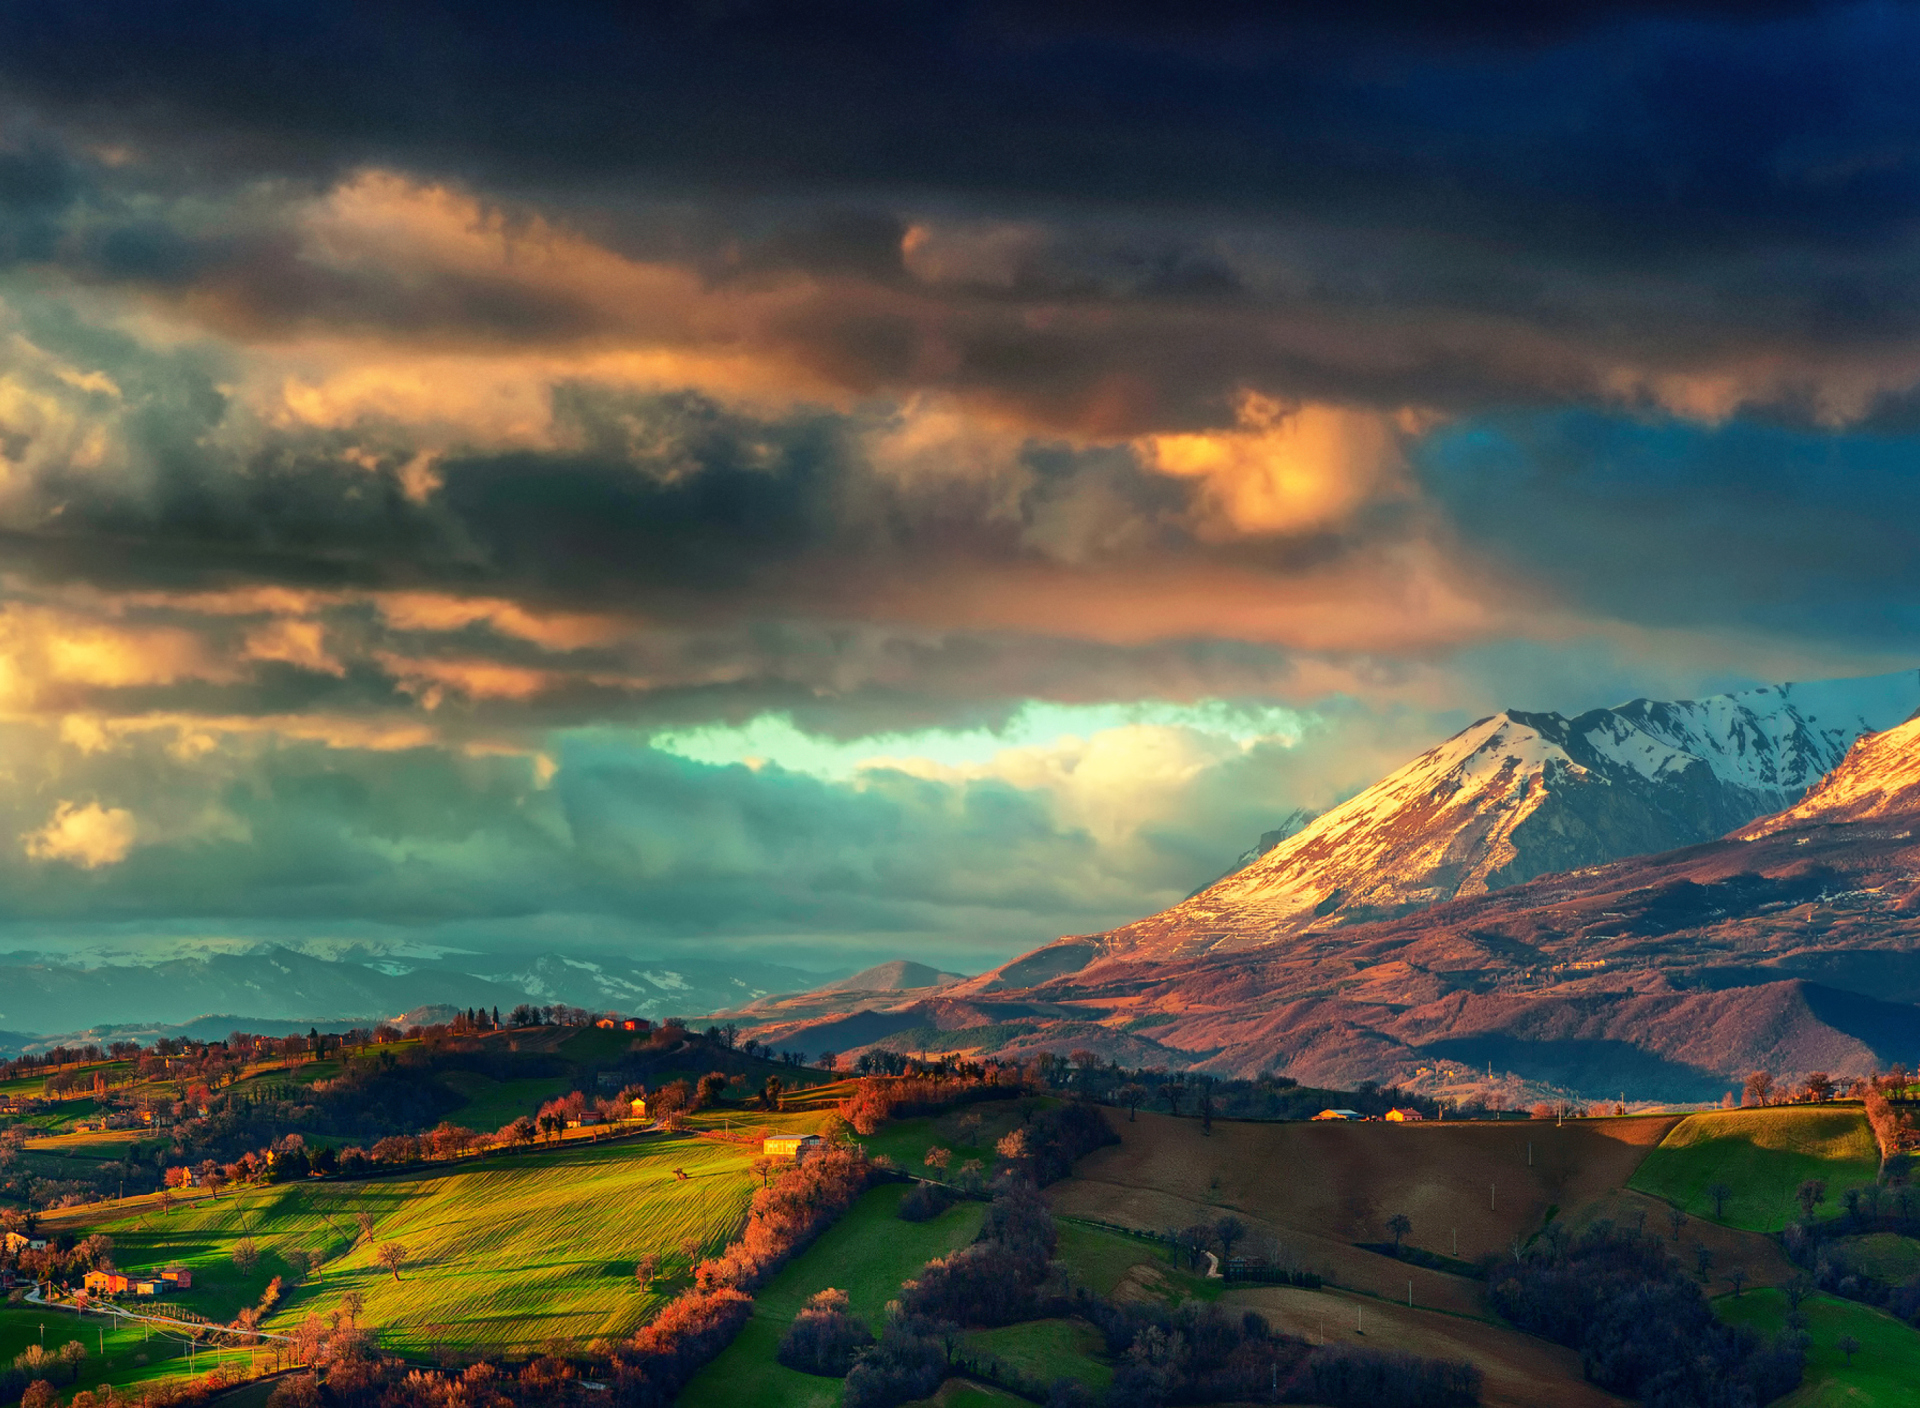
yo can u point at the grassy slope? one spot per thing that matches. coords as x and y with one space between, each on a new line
1887 1255
502 1254
493 1103
1049 1349
1763 1155
867 1254
125 1347
1885 1373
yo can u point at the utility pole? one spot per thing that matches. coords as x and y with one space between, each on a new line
1492 1190
1409 1295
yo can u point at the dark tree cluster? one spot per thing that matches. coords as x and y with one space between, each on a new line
1641 1323
825 1337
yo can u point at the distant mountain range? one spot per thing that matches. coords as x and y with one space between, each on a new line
1468 926
272 987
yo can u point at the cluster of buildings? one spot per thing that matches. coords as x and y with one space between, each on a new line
1393 1116
116 1283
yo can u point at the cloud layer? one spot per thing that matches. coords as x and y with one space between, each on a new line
403 428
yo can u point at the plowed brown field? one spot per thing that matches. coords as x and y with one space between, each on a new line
1320 1188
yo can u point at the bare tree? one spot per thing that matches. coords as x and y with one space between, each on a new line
1811 1194
391 1257
246 1256
1676 1219
1797 1289
1719 1192
1702 1260
365 1219
1229 1230
645 1269
1400 1225
1131 1094
1848 1346
1759 1086
1737 1277
1173 1092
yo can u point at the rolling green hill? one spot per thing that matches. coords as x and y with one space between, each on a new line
502 1254
1885 1372
1763 1156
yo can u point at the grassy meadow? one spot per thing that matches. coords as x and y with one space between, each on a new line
1764 1156
1885 1373
868 1254
502 1254
1045 1350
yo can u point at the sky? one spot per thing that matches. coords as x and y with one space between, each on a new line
848 481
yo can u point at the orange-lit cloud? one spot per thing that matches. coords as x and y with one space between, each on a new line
430 681
1286 470
88 836
293 642
426 611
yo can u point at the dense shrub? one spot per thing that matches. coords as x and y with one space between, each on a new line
1349 1376
924 1201
824 1338
1643 1328
908 1363
996 1280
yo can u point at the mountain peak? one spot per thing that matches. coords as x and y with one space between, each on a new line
1520 794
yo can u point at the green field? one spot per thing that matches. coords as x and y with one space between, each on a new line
493 1103
906 1141
1764 1156
1045 1350
130 1356
868 1254
1885 1372
503 1254
1885 1255
963 1393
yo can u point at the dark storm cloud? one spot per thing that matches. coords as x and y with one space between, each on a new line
1662 522
1784 111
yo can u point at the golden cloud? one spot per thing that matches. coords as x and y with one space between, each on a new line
1285 470
88 836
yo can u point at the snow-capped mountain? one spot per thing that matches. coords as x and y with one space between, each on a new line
1880 780
1520 795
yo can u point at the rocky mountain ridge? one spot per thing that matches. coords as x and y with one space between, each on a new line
1792 944
1520 795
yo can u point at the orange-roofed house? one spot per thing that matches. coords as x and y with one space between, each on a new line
178 1277
1399 1116
108 1282
1339 1115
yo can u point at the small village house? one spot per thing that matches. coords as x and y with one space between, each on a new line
1400 1116
1339 1115
791 1146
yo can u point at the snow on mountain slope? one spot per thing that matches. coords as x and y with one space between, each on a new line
1520 795
1880 778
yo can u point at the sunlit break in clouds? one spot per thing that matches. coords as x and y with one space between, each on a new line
898 481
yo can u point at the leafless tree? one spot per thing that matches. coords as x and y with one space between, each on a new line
1399 1225
391 1257
1719 1192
